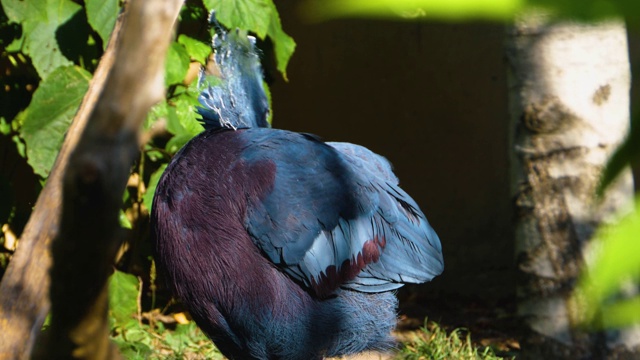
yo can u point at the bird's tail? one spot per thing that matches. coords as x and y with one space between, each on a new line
235 97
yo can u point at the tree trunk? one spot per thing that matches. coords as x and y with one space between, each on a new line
93 183
569 108
24 290
89 175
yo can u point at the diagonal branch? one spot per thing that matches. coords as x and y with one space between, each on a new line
24 291
95 158
94 181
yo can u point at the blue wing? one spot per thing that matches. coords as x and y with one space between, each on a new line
335 216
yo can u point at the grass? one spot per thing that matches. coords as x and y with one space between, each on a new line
186 341
434 343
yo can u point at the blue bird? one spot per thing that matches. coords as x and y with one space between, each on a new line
280 245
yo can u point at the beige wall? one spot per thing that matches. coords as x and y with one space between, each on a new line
432 99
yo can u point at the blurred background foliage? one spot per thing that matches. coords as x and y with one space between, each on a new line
458 10
49 50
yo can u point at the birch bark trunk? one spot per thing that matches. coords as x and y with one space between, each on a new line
569 108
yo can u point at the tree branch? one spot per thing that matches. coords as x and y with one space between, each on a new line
95 159
95 179
24 291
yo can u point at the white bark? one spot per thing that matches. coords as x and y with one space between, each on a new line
569 107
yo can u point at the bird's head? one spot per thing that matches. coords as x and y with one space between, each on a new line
235 97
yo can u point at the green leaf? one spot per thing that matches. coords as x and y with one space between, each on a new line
40 20
283 44
5 127
124 221
16 44
18 10
157 111
622 157
252 15
147 199
177 64
49 114
185 107
616 259
133 350
267 91
621 313
123 296
11 34
198 50
19 145
102 15
174 125
177 142
181 115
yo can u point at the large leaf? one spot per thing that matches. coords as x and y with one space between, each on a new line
40 20
283 44
184 106
180 113
196 49
176 64
47 118
123 297
151 188
102 15
252 15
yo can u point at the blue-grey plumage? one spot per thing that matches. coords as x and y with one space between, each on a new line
283 246
236 97
350 216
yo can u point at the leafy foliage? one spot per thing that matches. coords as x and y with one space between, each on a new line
49 50
198 50
40 22
123 292
177 64
243 14
153 183
151 339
